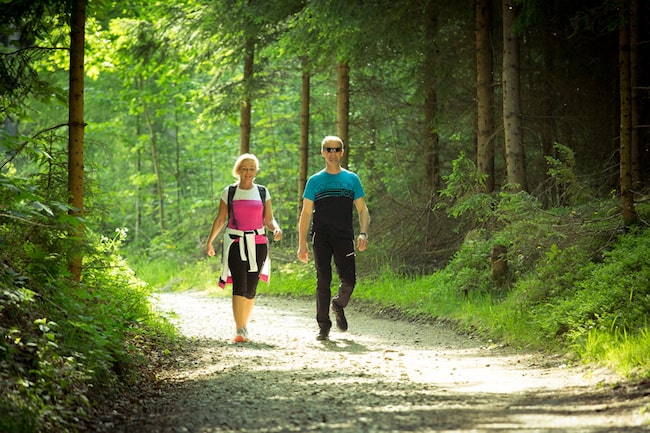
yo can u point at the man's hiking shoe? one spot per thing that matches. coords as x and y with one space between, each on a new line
341 321
323 334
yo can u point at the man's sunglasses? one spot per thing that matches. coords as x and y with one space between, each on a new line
333 149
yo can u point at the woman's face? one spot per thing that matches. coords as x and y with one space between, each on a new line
247 170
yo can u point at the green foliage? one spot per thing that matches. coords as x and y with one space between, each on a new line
615 296
461 191
574 289
63 344
562 170
21 23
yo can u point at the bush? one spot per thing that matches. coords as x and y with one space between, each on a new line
64 345
615 296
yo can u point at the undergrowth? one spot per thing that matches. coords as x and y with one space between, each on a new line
65 347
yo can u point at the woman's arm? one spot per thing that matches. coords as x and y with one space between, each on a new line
217 225
270 222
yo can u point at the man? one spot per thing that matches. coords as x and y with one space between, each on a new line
329 197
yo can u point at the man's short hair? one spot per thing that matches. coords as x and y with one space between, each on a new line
329 139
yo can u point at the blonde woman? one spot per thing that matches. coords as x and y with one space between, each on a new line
246 209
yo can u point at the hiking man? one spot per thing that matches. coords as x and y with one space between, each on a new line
328 199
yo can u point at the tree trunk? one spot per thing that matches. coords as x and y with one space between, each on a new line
245 109
484 94
304 132
515 159
629 214
177 163
138 197
555 194
154 161
499 263
343 109
431 138
635 152
76 129
213 197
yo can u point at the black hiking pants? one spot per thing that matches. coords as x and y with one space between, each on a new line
326 247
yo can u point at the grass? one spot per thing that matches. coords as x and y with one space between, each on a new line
621 351
167 274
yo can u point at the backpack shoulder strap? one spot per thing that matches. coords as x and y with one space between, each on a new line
262 191
231 194
263 197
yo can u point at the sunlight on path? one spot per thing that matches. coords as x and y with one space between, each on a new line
381 376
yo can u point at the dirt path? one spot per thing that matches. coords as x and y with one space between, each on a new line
380 376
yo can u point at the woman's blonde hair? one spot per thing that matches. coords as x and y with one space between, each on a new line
244 157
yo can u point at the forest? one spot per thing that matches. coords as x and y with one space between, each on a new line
504 148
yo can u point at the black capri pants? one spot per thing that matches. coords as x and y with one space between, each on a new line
244 283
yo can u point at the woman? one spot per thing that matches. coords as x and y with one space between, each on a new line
246 207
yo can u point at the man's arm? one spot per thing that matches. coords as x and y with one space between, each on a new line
303 228
364 223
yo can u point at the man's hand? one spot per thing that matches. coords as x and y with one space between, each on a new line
362 242
303 254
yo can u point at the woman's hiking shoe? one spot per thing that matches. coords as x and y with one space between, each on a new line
239 339
242 336
341 321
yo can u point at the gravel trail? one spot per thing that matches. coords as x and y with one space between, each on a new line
380 376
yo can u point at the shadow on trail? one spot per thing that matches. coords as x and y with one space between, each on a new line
260 395
344 345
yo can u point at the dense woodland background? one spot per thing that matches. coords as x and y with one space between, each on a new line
518 123
168 86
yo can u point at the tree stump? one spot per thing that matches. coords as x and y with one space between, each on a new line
499 263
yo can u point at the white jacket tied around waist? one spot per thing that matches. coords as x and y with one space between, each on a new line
247 252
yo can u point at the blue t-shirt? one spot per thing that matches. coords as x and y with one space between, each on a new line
333 196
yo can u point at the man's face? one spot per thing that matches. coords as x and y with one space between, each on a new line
332 151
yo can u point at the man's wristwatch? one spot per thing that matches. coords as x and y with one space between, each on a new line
365 235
